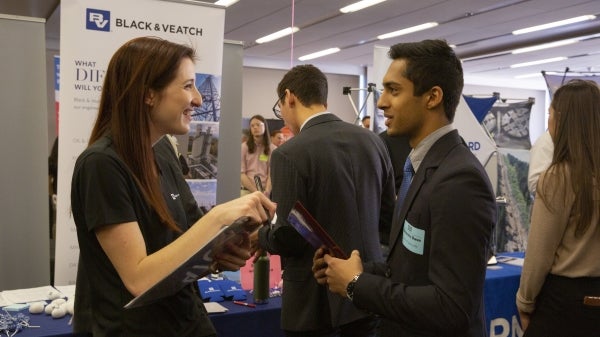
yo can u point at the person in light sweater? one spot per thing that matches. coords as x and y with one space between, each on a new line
559 293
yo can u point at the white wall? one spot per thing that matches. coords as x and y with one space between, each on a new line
260 85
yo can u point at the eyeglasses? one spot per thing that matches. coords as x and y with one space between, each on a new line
276 109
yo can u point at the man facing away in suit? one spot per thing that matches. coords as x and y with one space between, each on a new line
432 281
343 176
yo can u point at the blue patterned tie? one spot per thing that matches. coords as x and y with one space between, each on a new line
406 179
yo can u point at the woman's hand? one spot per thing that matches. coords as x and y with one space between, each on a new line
525 318
254 205
233 256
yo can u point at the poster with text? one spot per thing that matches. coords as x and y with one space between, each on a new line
91 31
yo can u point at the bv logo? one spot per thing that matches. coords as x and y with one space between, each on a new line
96 19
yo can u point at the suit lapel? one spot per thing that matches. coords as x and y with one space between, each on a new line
430 163
400 215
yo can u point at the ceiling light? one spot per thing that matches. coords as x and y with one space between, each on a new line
359 5
528 75
554 24
319 54
545 46
532 63
277 35
407 30
226 3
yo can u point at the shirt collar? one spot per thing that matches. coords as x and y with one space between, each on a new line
418 153
311 117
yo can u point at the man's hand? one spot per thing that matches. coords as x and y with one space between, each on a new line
338 272
319 266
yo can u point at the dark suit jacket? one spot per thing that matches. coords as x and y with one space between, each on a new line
398 149
342 174
449 213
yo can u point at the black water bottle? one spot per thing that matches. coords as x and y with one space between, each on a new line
261 279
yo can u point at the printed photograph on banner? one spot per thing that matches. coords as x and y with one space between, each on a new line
508 123
199 149
205 192
514 216
210 87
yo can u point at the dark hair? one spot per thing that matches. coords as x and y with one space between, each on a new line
275 132
366 117
266 139
576 146
432 63
307 82
140 65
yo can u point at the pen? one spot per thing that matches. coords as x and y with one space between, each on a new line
251 305
260 188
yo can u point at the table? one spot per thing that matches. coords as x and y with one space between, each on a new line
48 326
239 321
501 284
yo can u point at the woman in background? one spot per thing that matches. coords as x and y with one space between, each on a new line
131 225
256 156
559 293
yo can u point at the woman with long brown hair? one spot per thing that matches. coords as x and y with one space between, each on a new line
131 226
559 293
256 156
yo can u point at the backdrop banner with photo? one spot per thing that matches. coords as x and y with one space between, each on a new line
91 31
508 123
555 81
513 215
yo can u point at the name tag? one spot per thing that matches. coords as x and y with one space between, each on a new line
263 157
413 238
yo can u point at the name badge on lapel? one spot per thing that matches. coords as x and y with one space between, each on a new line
413 238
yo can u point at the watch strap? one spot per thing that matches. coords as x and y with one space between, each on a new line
350 287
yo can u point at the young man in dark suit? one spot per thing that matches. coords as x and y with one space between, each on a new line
343 176
432 282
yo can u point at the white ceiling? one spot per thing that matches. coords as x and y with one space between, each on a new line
481 30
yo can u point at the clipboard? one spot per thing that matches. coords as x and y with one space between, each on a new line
197 265
312 231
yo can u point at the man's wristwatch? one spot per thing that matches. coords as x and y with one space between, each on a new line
350 287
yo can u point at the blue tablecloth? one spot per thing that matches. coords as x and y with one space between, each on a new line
239 321
501 284
47 326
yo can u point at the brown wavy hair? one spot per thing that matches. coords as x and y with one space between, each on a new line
266 139
577 147
140 65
